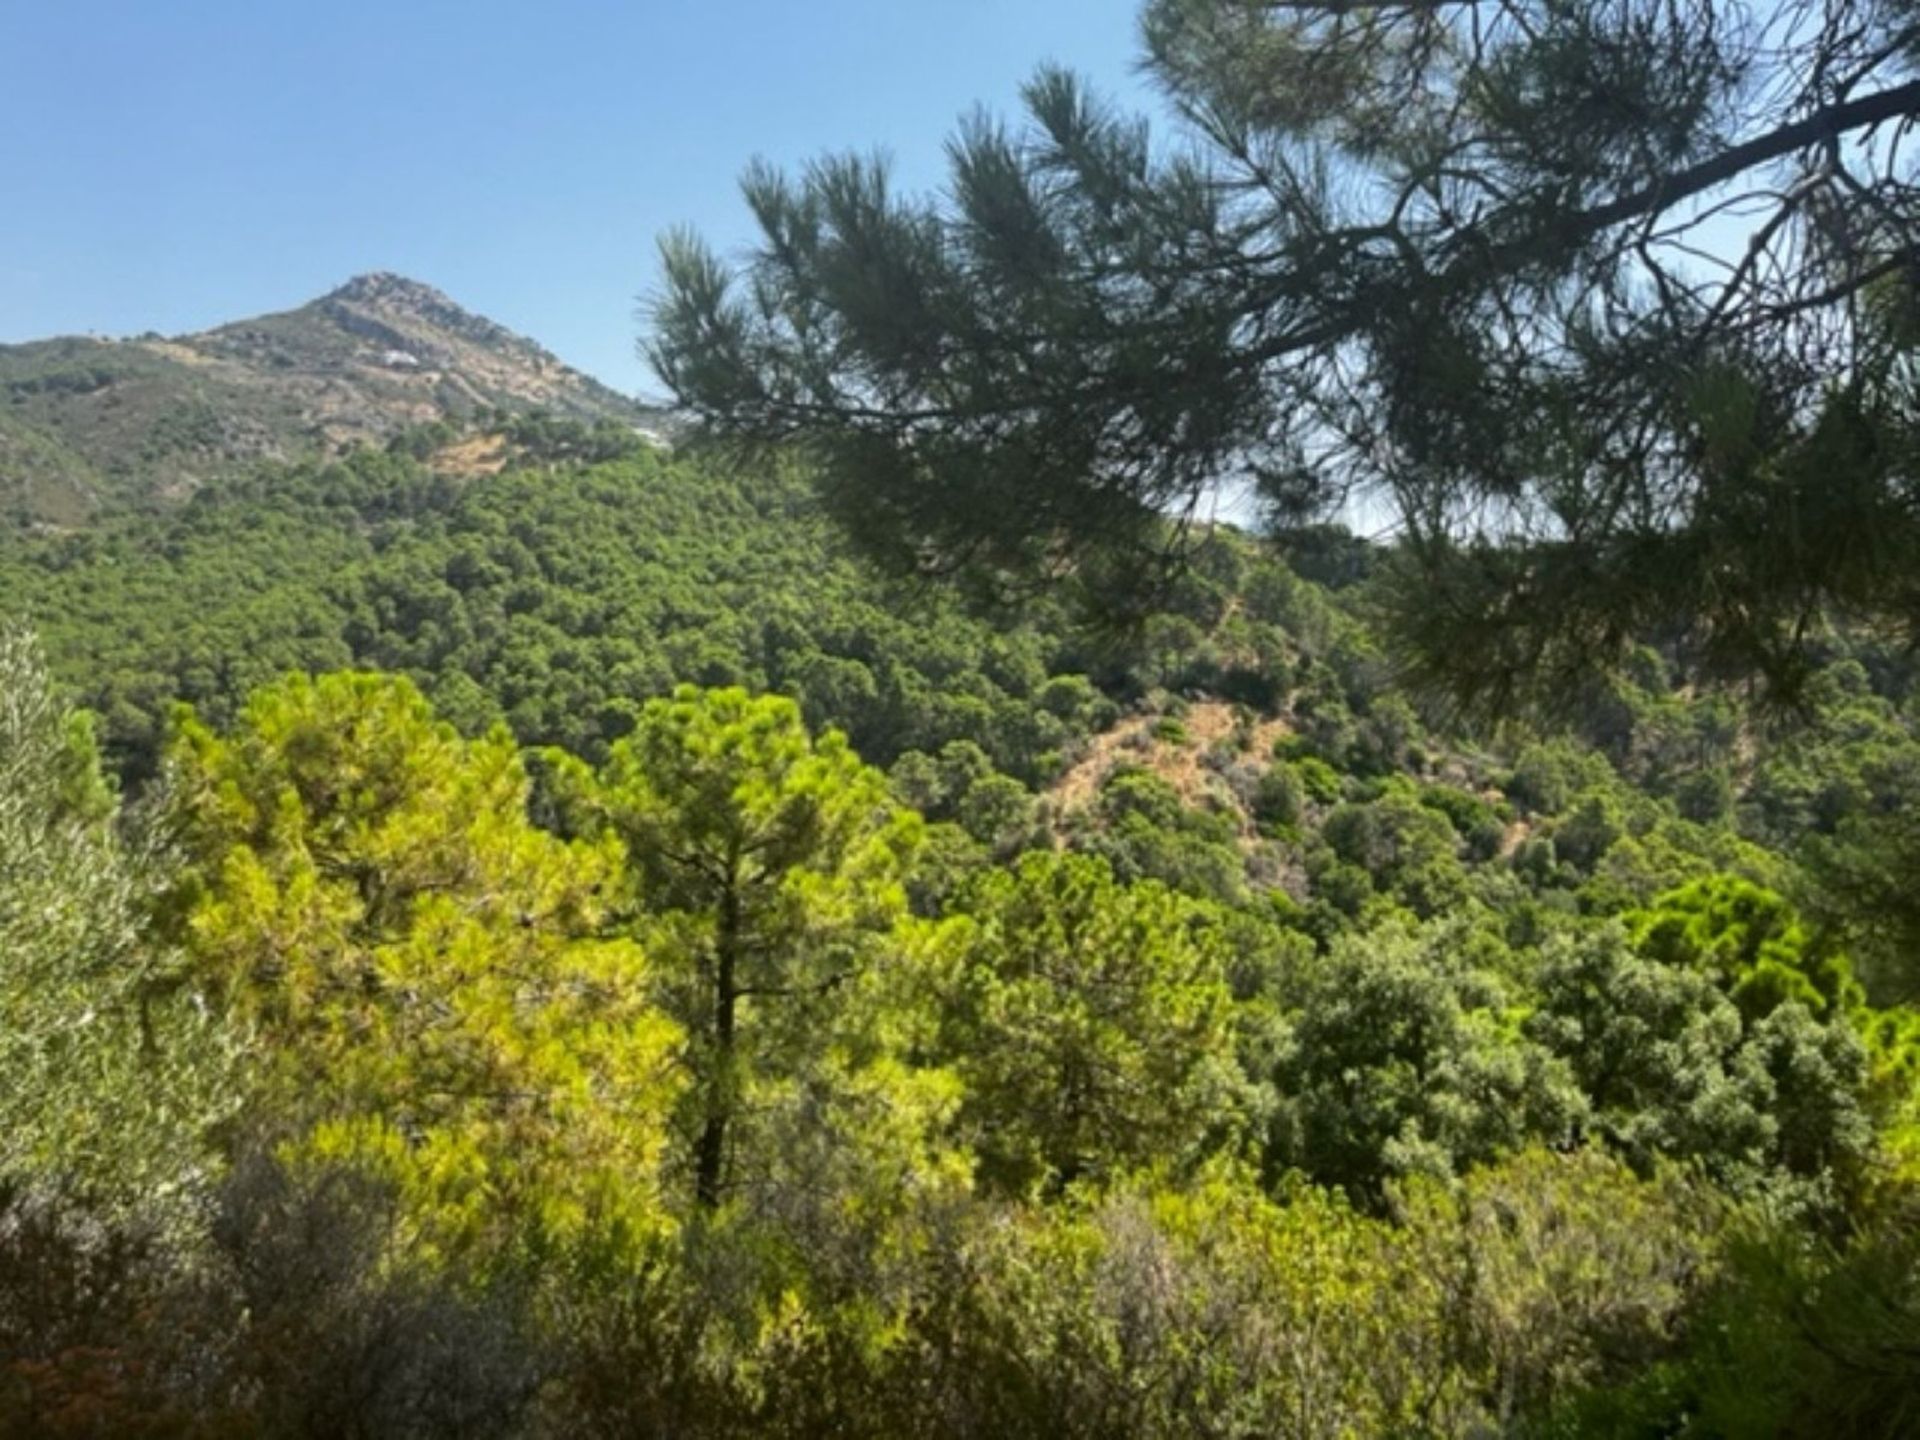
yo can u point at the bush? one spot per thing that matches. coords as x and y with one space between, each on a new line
1278 799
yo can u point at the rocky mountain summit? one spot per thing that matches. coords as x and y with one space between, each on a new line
89 424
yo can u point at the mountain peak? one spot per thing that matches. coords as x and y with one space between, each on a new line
96 421
399 300
385 286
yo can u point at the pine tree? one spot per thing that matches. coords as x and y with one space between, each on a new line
1605 305
766 870
424 971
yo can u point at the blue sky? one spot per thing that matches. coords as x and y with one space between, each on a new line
171 164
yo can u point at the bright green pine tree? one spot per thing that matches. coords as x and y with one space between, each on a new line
1752 943
424 972
766 881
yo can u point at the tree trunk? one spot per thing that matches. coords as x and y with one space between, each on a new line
710 1153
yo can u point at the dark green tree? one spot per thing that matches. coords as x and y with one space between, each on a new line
1404 1059
1672 1067
1090 1021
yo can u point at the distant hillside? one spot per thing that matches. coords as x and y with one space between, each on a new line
88 425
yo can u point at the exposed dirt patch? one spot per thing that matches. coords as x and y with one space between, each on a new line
1181 763
1515 837
474 457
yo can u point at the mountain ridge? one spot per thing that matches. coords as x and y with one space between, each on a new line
91 425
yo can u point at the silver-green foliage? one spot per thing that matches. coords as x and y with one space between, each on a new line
110 1071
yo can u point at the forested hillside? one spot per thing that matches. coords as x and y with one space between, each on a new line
1236 758
555 946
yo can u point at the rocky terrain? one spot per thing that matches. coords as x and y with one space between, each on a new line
89 425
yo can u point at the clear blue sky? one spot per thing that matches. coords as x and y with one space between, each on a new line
171 164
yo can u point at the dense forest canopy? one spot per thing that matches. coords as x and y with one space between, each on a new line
696 986
518 930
